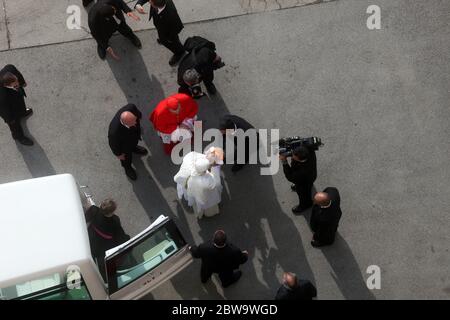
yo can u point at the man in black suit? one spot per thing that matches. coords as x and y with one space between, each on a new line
295 289
105 231
220 257
325 217
12 102
229 124
106 17
302 172
124 134
198 66
167 23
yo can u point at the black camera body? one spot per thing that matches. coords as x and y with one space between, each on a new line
288 145
196 91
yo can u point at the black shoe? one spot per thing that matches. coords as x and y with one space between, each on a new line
140 150
175 59
28 112
237 167
26 141
236 276
211 88
137 43
131 173
298 210
101 52
293 187
317 244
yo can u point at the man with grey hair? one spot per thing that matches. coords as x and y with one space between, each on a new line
198 66
295 289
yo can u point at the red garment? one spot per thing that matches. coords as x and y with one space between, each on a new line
166 121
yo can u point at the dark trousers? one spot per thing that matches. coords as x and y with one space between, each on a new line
16 129
173 44
125 30
304 194
128 159
226 277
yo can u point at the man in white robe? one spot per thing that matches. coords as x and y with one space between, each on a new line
199 182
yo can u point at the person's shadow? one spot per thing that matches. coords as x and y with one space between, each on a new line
347 271
34 156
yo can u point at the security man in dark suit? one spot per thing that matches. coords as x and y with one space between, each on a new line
105 230
302 172
198 66
325 216
168 24
295 289
124 134
12 102
229 124
220 257
104 19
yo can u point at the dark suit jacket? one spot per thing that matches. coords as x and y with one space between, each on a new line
219 259
12 102
325 221
168 22
203 63
304 291
237 121
103 28
302 172
102 226
121 139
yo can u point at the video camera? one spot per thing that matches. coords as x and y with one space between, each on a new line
288 145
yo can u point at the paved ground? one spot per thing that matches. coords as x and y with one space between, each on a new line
379 99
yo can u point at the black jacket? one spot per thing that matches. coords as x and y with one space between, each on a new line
121 139
304 291
325 221
201 59
103 28
237 121
104 232
12 102
219 260
168 22
302 172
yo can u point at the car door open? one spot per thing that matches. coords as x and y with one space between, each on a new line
147 260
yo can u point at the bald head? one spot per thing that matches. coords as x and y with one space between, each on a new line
128 119
290 279
322 199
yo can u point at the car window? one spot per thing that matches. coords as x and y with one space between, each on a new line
50 287
144 256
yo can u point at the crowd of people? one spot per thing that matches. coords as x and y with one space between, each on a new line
198 180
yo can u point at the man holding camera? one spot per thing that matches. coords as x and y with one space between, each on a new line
198 66
302 172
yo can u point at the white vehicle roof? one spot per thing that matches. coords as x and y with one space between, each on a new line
42 227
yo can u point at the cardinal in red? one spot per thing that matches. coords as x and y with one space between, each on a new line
173 119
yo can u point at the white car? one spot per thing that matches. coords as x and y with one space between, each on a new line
45 252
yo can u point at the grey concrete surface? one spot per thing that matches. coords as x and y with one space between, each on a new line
379 99
47 24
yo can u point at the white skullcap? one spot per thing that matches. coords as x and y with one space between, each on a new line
201 165
180 134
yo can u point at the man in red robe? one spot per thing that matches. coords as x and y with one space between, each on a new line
173 117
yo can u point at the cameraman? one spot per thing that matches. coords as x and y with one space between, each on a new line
302 172
197 66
